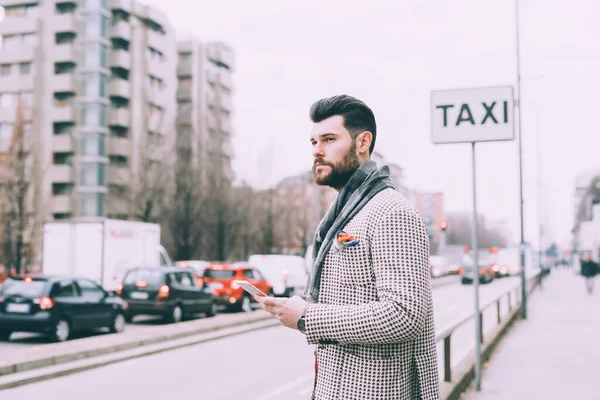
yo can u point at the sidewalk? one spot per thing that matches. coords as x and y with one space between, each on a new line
555 353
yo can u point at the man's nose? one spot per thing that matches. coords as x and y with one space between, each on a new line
318 151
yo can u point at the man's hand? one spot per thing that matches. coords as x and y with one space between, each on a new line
286 310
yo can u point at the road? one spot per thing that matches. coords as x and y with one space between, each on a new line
274 363
21 340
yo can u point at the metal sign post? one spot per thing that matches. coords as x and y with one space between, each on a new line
475 250
471 116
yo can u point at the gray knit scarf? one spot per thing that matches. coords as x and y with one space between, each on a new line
362 186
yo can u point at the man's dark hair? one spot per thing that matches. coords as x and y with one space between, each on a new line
358 117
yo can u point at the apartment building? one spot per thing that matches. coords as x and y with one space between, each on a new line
98 77
204 99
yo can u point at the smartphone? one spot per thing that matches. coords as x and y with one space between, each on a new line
250 288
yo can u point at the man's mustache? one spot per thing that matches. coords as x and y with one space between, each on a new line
322 162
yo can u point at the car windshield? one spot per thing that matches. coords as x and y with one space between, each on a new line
152 277
219 273
33 288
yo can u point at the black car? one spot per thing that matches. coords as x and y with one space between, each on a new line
57 306
172 292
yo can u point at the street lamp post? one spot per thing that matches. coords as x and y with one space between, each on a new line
519 103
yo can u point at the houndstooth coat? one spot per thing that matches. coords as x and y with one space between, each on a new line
373 322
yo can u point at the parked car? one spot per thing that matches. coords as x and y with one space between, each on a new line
486 274
438 266
197 265
171 292
286 273
229 294
57 306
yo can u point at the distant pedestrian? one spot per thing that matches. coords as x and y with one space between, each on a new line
589 269
368 306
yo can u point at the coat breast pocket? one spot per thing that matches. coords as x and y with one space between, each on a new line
355 266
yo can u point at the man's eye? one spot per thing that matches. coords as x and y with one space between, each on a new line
329 139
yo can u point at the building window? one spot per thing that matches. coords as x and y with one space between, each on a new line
93 84
6 130
93 114
93 144
65 8
64 38
64 68
25 68
29 11
94 4
95 26
154 55
5 69
30 39
92 204
94 55
185 57
119 44
6 100
92 174
26 99
185 82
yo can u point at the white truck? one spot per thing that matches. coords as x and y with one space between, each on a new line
101 251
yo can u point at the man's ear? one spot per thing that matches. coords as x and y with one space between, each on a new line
363 142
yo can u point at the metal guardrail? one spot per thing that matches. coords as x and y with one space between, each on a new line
446 335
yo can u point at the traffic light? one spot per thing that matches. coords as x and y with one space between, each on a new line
443 225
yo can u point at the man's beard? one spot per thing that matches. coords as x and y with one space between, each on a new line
340 173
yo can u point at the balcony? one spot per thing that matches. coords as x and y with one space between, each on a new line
211 76
211 121
61 174
16 82
64 23
125 5
61 204
227 149
117 175
184 68
118 146
63 113
119 87
225 79
221 54
184 93
63 143
63 83
121 30
226 126
64 52
157 41
15 25
226 103
12 55
120 58
118 117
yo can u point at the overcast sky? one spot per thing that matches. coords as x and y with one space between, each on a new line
391 54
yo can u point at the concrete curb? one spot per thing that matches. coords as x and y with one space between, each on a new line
41 374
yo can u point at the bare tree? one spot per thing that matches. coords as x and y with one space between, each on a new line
17 200
186 211
459 233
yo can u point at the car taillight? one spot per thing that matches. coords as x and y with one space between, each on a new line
119 290
46 303
163 292
481 271
1 299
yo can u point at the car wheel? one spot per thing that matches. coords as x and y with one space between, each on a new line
5 335
212 310
246 305
61 331
118 323
176 315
